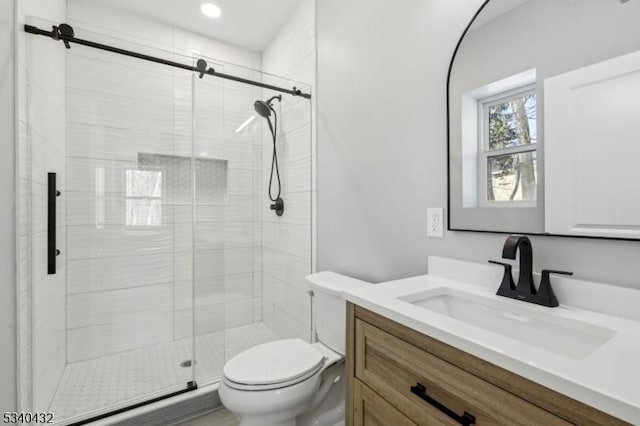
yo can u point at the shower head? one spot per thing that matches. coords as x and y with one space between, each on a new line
263 108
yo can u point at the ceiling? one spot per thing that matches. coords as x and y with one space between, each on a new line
251 24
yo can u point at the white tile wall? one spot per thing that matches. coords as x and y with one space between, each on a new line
111 143
293 240
287 240
132 113
95 308
112 273
91 242
294 144
124 332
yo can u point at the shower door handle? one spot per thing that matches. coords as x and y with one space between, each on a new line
52 250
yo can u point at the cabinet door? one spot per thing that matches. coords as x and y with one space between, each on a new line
429 390
591 150
371 410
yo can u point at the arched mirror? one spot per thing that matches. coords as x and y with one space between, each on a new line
544 119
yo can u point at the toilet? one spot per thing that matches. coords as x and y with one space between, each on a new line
291 382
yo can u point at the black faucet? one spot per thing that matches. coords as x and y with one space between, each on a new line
525 290
512 245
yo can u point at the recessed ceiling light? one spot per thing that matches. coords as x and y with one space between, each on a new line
210 10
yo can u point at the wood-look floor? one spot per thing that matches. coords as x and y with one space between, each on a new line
220 417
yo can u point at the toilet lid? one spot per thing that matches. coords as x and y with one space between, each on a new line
274 362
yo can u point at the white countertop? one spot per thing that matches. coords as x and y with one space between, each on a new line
607 378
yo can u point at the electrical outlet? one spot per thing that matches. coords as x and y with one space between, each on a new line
435 222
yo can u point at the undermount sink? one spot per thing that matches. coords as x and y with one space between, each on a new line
543 330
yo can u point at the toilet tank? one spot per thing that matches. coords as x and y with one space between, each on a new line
329 308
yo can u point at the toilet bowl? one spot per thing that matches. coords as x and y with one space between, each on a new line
273 383
290 382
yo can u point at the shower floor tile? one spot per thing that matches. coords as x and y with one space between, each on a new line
110 382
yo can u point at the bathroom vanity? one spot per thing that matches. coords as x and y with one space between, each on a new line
438 349
385 367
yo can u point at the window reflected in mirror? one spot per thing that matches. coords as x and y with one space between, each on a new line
509 147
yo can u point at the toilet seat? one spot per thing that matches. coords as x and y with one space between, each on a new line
273 365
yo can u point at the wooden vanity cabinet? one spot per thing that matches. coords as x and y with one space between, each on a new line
397 376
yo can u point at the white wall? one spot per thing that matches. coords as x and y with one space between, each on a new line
287 240
8 397
382 70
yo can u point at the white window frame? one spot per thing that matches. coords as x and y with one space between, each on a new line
484 153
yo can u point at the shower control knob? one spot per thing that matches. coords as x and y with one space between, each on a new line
278 206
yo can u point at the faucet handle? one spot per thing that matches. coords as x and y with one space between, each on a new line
545 293
507 285
546 272
506 265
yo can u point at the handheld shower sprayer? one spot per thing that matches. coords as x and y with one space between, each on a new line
265 109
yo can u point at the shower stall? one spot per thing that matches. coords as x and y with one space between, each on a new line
149 250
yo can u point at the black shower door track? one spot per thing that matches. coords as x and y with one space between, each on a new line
191 386
65 33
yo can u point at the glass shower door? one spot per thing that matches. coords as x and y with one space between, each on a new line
113 326
228 149
214 183
250 264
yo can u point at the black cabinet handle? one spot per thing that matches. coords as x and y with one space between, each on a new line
52 251
466 419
